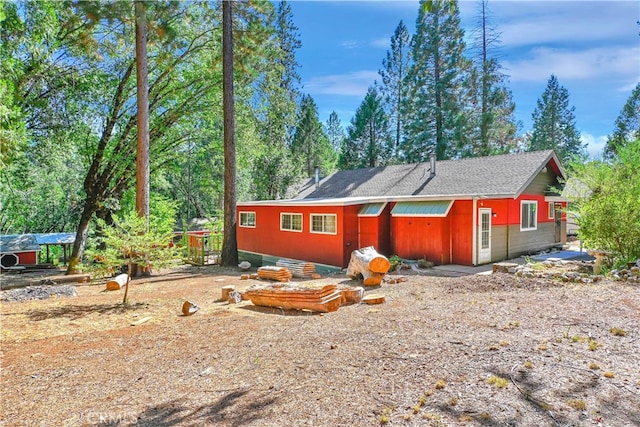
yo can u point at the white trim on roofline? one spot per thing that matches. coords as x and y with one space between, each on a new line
348 201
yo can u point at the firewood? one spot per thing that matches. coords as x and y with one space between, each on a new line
225 292
280 274
117 282
373 299
298 268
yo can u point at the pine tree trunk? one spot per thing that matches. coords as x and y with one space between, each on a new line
229 255
142 152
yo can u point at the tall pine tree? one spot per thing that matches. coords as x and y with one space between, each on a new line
310 146
627 126
273 170
393 88
493 125
334 131
368 140
554 124
435 119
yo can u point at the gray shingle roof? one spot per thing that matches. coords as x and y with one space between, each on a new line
502 175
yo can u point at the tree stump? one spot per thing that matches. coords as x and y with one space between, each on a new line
370 264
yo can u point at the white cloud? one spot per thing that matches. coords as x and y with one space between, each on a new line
350 44
350 84
382 43
595 144
566 64
535 23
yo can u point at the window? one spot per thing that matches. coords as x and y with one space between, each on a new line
323 224
552 213
291 221
528 215
248 219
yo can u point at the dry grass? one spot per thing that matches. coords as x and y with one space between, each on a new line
421 358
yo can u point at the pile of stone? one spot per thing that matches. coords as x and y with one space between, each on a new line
38 292
567 271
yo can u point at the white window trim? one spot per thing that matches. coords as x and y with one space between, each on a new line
529 202
552 210
254 219
311 230
292 214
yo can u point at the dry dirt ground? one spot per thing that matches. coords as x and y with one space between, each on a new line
472 351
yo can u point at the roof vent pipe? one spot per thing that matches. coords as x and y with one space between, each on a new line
317 177
432 166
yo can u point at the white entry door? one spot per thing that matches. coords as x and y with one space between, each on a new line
484 238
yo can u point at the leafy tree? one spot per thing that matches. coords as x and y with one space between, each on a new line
368 140
627 126
435 83
335 132
310 143
606 198
135 241
554 124
493 126
177 89
394 73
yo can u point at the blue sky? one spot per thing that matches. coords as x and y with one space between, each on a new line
592 47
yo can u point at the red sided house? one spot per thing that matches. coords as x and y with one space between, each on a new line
469 212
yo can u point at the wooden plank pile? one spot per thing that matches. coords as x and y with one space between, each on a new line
301 269
369 264
291 296
280 274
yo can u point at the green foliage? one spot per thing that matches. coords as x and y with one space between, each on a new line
395 67
368 140
627 126
311 146
554 124
132 240
435 120
605 198
492 111
394 261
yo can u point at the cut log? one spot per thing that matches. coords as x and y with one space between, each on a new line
373 299
281 274
298 268
352 295
188 308
225 292
117 282
324 300
368 263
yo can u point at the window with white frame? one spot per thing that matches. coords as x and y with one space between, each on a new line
291 222
528 215
323 223
248 219
552 210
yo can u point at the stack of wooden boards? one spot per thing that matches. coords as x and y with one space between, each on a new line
280 274
298 268
290 296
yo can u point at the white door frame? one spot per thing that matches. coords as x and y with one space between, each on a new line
484 253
